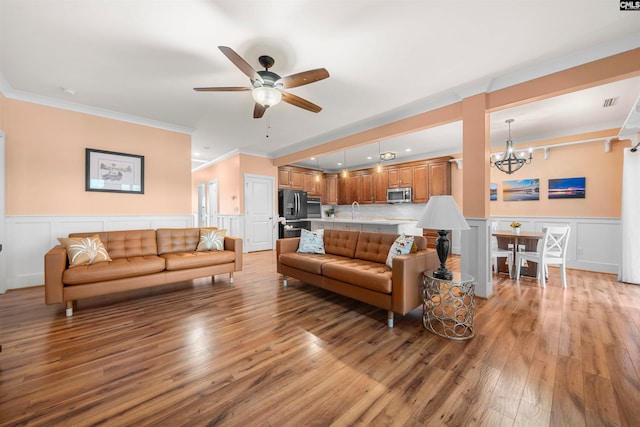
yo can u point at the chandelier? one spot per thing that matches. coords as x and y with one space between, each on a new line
510 161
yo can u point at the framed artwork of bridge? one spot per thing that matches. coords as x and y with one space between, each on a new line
114 172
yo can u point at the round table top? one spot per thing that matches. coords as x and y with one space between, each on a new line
457 277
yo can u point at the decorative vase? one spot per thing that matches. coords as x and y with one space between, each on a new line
516 230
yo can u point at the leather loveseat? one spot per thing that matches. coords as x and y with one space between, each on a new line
354 266
138 259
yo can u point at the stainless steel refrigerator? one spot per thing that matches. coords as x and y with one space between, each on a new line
292 206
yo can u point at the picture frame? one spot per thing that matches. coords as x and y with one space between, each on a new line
521 190
567 188
109 171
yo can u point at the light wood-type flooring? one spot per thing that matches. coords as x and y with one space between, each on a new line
257 354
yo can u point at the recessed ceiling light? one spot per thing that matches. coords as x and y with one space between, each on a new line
369 157
339 163
313 158
407 150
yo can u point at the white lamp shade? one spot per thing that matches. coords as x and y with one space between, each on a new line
267 96
442 213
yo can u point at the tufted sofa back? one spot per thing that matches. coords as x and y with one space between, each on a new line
340 242
374 246
124 244
177 239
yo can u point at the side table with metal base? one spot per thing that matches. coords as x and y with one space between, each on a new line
449 305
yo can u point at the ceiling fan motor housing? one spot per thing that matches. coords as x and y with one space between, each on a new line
268 79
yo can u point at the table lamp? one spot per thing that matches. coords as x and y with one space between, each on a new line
442 214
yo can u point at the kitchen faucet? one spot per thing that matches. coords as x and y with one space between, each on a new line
353 209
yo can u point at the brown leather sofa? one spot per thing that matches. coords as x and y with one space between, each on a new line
354 266
139 259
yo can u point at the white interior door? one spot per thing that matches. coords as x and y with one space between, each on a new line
259 199
213 203
202 205
3 257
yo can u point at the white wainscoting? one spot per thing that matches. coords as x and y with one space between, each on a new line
234 224
28 238
595 244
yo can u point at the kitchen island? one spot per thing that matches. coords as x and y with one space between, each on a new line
377 225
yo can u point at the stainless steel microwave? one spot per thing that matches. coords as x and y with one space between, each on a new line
399 195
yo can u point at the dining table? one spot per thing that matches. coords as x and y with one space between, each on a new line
521 241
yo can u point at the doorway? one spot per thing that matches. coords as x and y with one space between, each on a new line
212 196
202 205
259 199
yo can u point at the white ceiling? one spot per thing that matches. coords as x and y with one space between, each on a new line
388 59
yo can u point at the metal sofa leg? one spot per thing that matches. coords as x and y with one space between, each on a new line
284 280
231 278
390 318
69 311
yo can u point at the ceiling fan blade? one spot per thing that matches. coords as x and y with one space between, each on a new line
221 89
292 99
240 63
304 78
258 111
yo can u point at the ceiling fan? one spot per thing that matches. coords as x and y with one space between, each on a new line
267 87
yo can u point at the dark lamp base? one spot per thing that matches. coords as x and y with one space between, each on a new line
445 274
442 248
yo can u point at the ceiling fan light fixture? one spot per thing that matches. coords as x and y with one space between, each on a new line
267 96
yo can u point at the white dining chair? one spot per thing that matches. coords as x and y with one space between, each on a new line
551 251
497 252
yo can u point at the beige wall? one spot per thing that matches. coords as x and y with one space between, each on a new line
45 156
603 178
230 175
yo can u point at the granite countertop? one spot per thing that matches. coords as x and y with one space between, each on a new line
383 221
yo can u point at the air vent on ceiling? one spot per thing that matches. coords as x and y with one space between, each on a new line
610 102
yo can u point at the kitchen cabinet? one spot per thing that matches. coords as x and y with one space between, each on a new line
439 178
400 176
292 178
381 184
420 184
344 190
366 188
313 184
330 189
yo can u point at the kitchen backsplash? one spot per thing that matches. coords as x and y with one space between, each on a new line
395 211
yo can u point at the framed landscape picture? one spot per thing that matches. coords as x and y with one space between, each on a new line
114 172
493 191
567 188
522 189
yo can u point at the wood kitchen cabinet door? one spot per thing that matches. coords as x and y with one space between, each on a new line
381 184
420 184
331 189
439 178
400 177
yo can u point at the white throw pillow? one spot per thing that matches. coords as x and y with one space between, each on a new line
211 239
401 246
311 242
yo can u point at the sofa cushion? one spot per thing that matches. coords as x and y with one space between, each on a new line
211 240
366 274
311 242
374 246
126 244
311 263
401 246
341 242
194 259
84 250
119 268
176 239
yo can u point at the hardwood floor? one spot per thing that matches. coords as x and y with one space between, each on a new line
255 353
